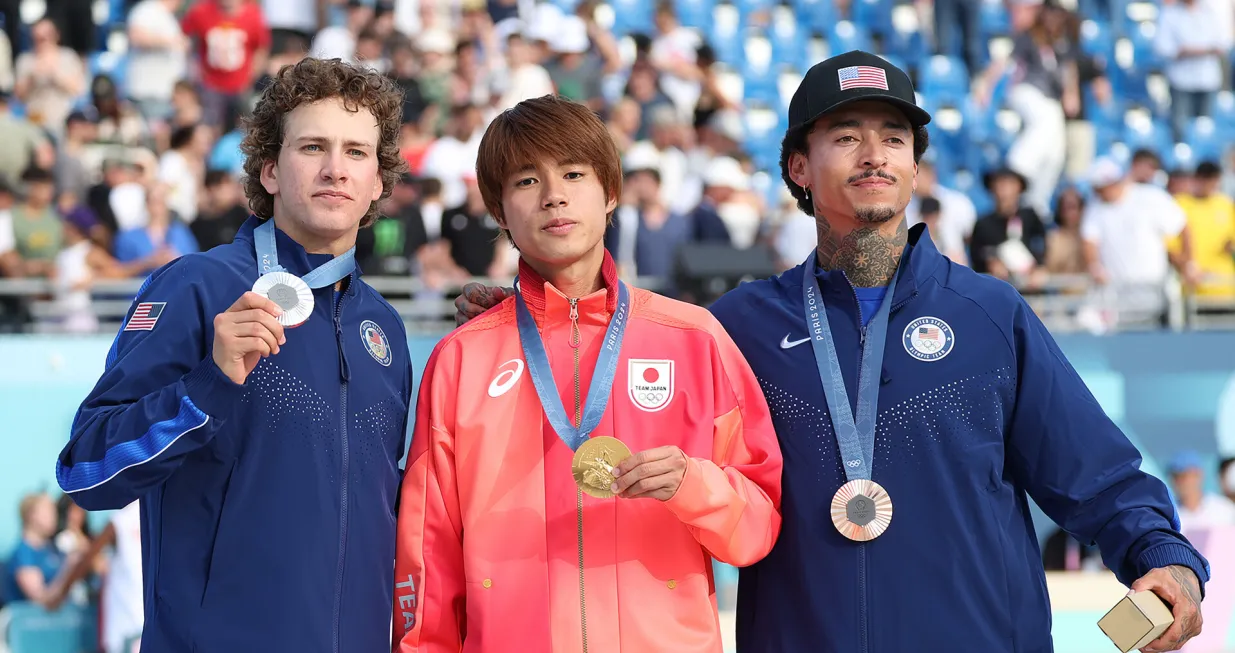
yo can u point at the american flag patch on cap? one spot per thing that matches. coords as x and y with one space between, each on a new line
144 317
862 77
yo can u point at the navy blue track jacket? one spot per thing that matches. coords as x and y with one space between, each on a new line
268 509
972 418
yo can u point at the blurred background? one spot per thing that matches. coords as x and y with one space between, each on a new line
1081 150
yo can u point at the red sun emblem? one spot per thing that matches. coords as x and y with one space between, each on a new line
650 375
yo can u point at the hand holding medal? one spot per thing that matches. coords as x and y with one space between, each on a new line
246 333
653 474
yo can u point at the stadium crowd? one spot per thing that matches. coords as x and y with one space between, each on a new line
122 147
1073 146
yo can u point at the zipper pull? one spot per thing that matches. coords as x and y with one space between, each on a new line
574 323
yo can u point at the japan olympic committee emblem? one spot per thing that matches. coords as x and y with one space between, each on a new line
375 342
650 383
928 339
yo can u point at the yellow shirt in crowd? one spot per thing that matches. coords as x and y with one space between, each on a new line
1211 221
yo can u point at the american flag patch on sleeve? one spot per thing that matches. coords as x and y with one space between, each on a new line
145 316
862 77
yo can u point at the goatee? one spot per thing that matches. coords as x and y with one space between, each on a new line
874 214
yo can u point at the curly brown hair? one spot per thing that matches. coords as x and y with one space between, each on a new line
312 80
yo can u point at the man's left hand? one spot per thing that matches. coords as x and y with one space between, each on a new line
1178 587
654 473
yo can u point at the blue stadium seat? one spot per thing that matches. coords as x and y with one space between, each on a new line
817 16
846 35
788 37
1222 110
1143 55
71 629
764 128
906 44
1204 138
632 16
1097 40
724 34
815 50
944 78
695 13
994 19
1153 134
760 71
875 16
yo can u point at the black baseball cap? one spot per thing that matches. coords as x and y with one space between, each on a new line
853 77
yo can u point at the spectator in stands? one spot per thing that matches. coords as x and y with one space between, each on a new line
673 53
339 41
36 563
1010 242
233 43
1145 167
1211 224
10 261
76 268
576 71
24 145
625 117
1044 90
49 78
161 240
157 56
1179 182
1065 249
120 121
957 215
524 78
643 86
958 25
222 211
74 169
723 179
393 242
37 229
453 156
1198 508
645 234
1125 228
1194 45
930 212
74 19
183 169
1226 476
473 234
680 186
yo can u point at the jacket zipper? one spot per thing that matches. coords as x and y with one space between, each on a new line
863 608
345 375
574 345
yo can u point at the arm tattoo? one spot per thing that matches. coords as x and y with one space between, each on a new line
1189 588
868 258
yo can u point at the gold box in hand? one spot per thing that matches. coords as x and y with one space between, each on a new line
1136 620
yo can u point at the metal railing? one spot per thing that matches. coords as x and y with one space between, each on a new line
1064 303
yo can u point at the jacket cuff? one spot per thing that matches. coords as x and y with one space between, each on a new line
1174 553
690 494
210 390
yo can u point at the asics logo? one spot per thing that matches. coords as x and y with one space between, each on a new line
506 378
786 343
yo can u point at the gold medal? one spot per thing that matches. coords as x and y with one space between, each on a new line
594 462
861 510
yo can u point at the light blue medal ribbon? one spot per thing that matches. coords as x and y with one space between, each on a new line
327 274
602 379
855 438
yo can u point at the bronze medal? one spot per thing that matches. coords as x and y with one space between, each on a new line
861 510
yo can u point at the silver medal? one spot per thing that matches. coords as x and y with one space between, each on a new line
290 292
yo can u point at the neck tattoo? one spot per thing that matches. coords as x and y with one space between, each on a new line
867 256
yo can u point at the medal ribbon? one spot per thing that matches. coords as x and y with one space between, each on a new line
856 438
327 274
602 379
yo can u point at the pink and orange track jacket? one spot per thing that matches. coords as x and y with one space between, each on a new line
498 550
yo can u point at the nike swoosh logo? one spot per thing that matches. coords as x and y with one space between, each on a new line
786 343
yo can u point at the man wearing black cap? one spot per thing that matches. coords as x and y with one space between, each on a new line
918 406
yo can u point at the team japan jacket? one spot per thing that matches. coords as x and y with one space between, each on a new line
267 508
978 411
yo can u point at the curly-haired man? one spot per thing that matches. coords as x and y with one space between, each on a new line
265 457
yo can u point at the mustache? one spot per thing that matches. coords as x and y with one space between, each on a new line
872 173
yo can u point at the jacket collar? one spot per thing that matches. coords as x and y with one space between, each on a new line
292 255
544 301
918 263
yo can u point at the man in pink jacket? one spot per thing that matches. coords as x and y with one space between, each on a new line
583 450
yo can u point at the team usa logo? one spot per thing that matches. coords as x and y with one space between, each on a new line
375 341
650 383
928 339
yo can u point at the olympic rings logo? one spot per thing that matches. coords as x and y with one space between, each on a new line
651 397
